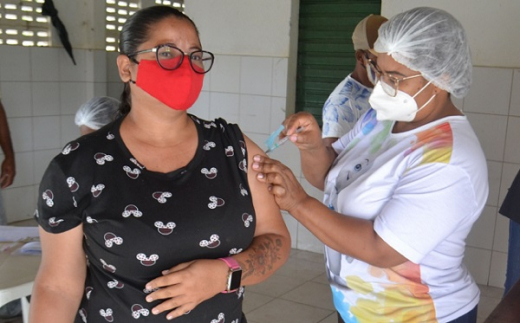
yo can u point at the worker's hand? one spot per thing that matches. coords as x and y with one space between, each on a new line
303 130
281 182
8 172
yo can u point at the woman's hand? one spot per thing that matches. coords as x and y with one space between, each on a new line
282 183
309 137
186 285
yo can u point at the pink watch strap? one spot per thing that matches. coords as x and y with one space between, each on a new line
232 263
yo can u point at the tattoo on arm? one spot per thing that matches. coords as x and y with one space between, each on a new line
262 257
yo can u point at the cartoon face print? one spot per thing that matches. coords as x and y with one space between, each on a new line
73 185
107 267
220 319
247 218
91 220
132 173
88 291
229 151
97 189
208 145
107 314
111 239
209 125
131 209
243 191
101 158
70 147
83 314
243 147
348 174
110 136
235 251
215 202
133 160
243 165
211 173
147 261
148 291
164 229
48 197
240 292
138 310
161 197
54 223
115 284
214 241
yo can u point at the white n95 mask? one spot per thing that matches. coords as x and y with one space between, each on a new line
402 107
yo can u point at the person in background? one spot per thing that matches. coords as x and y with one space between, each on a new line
349 100
403 189
7 174
156 216
96 113
8 170
510 208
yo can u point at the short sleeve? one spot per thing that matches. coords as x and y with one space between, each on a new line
57 207
430 203
331 114
511 205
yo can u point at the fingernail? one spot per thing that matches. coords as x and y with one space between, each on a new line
155 311
148 286
165 272
149 299
256 157
255 165
169 317
260 175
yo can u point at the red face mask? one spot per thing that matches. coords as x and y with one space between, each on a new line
178 89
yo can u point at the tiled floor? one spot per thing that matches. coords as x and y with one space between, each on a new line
299 293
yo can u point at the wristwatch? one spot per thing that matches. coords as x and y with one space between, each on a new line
234 275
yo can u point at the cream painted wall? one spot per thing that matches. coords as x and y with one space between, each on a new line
247 27
492 26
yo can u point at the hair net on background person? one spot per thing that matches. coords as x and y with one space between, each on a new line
430 41
97 112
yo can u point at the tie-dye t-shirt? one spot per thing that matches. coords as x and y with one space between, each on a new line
423 189
345 105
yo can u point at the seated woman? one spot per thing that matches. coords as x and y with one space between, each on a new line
403 188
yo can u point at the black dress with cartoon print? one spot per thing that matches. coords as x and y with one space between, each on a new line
138 223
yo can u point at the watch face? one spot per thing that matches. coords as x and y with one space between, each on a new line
235 277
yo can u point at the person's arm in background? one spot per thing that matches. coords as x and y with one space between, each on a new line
8 166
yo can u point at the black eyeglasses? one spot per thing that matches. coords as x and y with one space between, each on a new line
170 58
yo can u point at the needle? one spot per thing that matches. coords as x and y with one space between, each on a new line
281 141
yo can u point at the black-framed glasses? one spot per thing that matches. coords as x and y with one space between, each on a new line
170 58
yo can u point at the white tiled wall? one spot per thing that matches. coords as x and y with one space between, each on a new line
493 108
41 91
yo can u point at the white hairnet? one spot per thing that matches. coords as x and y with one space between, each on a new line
432 42
97 112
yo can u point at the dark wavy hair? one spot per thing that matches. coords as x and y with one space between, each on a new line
136 31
